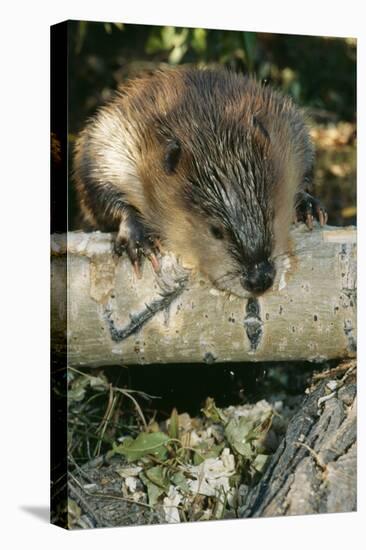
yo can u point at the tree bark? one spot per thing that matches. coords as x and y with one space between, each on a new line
314 468
103 315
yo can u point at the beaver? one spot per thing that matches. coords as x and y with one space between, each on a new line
210 164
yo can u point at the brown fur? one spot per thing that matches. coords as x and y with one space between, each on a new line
223 123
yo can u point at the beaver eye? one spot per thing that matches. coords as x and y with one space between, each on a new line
217 232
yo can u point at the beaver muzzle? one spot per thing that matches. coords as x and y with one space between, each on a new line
259 277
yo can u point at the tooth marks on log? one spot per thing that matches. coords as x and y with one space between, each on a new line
253 323
138 320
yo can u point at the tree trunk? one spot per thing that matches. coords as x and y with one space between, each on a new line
103 315
314 468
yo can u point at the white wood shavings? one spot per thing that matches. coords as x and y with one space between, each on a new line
211 477
170 505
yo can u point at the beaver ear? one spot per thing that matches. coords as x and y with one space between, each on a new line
257 123
172 155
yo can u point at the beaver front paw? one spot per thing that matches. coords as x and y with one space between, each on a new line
134 238
308 208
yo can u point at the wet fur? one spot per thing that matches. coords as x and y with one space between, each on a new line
191 149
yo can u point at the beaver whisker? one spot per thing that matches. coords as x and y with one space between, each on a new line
226 277
290 253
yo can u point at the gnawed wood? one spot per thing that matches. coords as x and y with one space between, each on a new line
114 318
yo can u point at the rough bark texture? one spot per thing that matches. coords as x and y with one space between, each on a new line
314 468
113 318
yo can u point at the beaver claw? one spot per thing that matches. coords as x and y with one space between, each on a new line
308 208
133 238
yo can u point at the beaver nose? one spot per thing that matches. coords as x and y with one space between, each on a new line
259 277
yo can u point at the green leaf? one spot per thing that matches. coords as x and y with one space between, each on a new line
199 40
211 411
158 476
153 491
154 44
240 432
259 463
73 512
203 451
177 54
245 434
173 37
144 444
167 37
174 425
77 389
180 480
98 382
79 384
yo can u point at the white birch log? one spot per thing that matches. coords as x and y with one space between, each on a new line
103 315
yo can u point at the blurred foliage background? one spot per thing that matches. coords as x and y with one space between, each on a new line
318 72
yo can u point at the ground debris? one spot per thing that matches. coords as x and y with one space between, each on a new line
191 471
288 455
